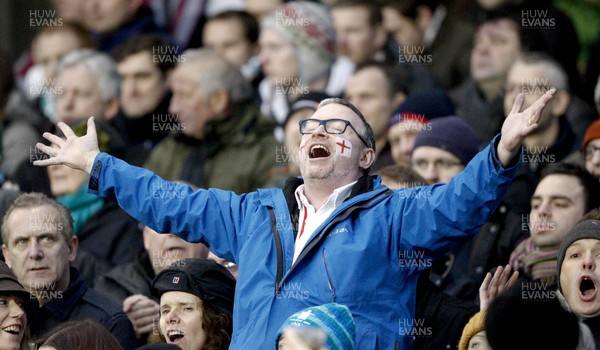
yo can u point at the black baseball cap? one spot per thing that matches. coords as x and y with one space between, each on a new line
206 279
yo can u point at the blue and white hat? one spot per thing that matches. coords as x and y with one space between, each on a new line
335 320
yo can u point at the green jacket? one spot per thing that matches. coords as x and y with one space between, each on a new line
236 154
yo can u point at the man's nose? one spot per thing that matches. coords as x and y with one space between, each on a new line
430 174
35 250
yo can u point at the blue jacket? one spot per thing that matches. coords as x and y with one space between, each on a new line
366 255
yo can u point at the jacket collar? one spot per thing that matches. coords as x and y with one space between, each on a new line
63 306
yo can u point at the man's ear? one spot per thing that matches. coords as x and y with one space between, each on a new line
423 18
112 108
380 37
367 158
6 255
219 102
398 98
73 248
560 103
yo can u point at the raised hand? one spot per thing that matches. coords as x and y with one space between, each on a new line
492 286
519 124
143 312
75 152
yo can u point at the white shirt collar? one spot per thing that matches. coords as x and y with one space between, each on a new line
336 198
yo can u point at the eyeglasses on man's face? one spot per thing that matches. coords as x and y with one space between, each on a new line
332 126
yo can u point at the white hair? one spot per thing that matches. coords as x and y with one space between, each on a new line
557 77
218 74
97 63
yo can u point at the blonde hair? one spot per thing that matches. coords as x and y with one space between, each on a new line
475 325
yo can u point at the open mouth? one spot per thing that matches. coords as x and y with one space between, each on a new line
174 336
587 288
14 329
318 151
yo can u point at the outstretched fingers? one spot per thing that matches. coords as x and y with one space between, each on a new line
67 131
50 151
518 104
91 127
54 139
535 110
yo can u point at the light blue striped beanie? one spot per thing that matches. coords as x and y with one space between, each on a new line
334 319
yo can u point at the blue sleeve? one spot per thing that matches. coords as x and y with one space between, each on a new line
209 216
432 218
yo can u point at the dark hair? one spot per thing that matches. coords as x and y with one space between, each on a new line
408 8
396 76
248 22
530 40
587 180
80 335
7 81
374 9
80 32
217 326
146 42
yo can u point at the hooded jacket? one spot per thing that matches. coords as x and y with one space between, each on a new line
367 255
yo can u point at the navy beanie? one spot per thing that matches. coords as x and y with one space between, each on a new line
583 230
451 134
423 106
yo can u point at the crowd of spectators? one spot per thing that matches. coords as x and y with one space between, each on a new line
212 94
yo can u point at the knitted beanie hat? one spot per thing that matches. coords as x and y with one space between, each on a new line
422 106
451 134
309 28
583 230
334 319
475 325
591 133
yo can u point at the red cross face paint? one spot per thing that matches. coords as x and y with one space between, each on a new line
343 147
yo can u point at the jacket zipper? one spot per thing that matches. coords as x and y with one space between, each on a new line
279 251
329 282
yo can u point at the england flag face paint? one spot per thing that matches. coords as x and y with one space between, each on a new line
343 147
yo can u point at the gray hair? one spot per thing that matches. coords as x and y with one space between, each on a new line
553 70
35 200
99 64
218 75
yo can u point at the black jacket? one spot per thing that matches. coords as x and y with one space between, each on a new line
112 238
79 302
126 280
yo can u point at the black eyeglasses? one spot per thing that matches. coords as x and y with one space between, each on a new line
332 126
